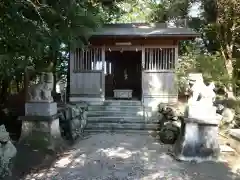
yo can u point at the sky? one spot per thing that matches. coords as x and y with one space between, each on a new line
194 11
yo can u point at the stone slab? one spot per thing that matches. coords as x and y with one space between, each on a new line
40 109
202 112
201 121
39 118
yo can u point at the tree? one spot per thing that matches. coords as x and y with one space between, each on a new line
228 28
33 32
170 10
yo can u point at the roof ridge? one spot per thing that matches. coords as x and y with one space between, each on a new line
135 25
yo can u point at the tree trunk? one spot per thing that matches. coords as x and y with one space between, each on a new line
18 86
4 91
26 83
68 77
54 72
53 60
229 68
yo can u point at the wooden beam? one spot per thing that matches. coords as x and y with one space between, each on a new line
111 41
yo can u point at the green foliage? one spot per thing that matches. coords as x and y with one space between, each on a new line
173 10
211 66
33 33
135 11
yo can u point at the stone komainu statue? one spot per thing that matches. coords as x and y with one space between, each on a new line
42 92
199 91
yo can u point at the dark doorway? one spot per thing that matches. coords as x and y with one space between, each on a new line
123 71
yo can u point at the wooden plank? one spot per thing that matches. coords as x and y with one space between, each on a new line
86 83
159 84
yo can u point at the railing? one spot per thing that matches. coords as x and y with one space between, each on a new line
88 59
159 59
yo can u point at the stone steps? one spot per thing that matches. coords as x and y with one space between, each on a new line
119 115
120 119
116 108
92 131
122 126
122 103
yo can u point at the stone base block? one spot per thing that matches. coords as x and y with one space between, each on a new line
40 109
197 142
41 134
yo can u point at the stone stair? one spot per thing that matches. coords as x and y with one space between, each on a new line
119 116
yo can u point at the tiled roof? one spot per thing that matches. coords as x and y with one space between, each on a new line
144 30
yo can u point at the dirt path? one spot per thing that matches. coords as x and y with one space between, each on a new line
128 156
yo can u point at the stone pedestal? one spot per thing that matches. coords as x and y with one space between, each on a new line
40 109
40 126
198 140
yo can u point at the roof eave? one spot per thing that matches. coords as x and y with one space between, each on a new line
146 35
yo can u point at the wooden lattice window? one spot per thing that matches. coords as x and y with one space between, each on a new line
159 59
88 59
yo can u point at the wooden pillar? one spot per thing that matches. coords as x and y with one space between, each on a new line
176 56
103 70
176 62
143 66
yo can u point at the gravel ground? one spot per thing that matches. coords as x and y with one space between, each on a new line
128 156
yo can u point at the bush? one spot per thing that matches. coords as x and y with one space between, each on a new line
211 66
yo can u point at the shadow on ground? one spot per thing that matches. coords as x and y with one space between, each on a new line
29 160
127 156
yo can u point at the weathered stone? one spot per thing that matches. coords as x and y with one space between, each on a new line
161 107
74 122
61 115
41 134
84 119
228 115
197 142
168 112
68 113
201 111
75 111
169 133
220 108
41 92
7 153
40 109
199 130
199 91
84 115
